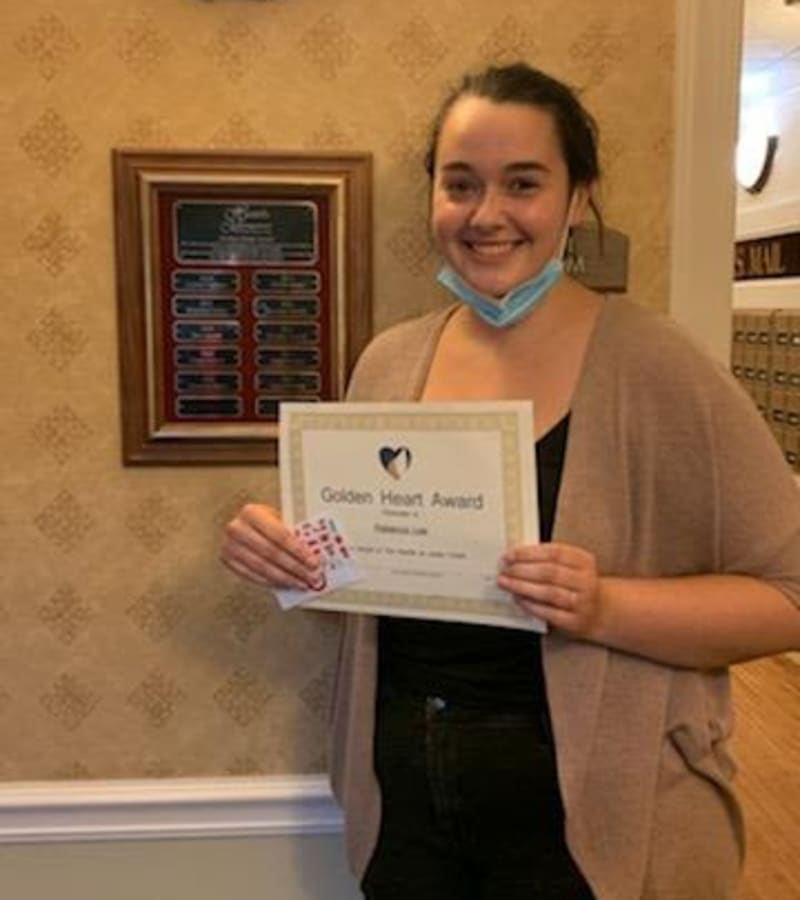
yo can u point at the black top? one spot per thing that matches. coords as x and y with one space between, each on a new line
477 664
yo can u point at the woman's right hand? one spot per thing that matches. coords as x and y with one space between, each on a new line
259 547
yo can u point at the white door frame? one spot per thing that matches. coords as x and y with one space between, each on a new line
707 67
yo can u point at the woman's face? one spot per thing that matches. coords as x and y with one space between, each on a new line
500 193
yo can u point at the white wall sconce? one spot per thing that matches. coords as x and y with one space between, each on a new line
755 156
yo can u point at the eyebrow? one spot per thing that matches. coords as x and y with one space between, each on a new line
523 166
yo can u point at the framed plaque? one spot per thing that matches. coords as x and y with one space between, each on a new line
243 280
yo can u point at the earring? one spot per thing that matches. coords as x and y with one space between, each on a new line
570 253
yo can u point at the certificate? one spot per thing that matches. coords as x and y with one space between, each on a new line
429 496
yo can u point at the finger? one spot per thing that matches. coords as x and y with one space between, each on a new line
553 595
569 555
547 574
265 522
566 555
554 616
244 572
276 550
268 570
536 571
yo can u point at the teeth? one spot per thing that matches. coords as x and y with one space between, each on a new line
493 249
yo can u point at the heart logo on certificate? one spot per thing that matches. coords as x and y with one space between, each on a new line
396 461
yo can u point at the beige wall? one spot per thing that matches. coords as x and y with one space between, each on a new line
126 649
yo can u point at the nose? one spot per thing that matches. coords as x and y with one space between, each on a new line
488 210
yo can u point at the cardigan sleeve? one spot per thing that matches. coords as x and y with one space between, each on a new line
757 496
706 423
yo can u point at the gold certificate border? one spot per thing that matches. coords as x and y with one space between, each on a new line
506 423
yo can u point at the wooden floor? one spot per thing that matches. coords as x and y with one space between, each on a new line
767 746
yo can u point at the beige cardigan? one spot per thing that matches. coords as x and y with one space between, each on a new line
669 470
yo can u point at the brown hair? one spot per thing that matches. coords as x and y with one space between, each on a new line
520 83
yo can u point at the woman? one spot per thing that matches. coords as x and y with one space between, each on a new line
475 762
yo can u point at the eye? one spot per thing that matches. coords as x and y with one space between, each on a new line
460 187
522 184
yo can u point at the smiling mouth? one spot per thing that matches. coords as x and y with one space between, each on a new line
491 249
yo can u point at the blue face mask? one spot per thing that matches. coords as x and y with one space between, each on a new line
515 305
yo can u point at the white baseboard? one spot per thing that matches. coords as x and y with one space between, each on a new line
34 812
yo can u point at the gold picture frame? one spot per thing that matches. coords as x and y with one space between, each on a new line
243 279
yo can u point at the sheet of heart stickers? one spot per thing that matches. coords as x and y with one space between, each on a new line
323 534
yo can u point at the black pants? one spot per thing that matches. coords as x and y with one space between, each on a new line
471 807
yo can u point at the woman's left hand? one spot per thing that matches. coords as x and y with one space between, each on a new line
558 583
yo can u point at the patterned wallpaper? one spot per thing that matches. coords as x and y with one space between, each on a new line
126 650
